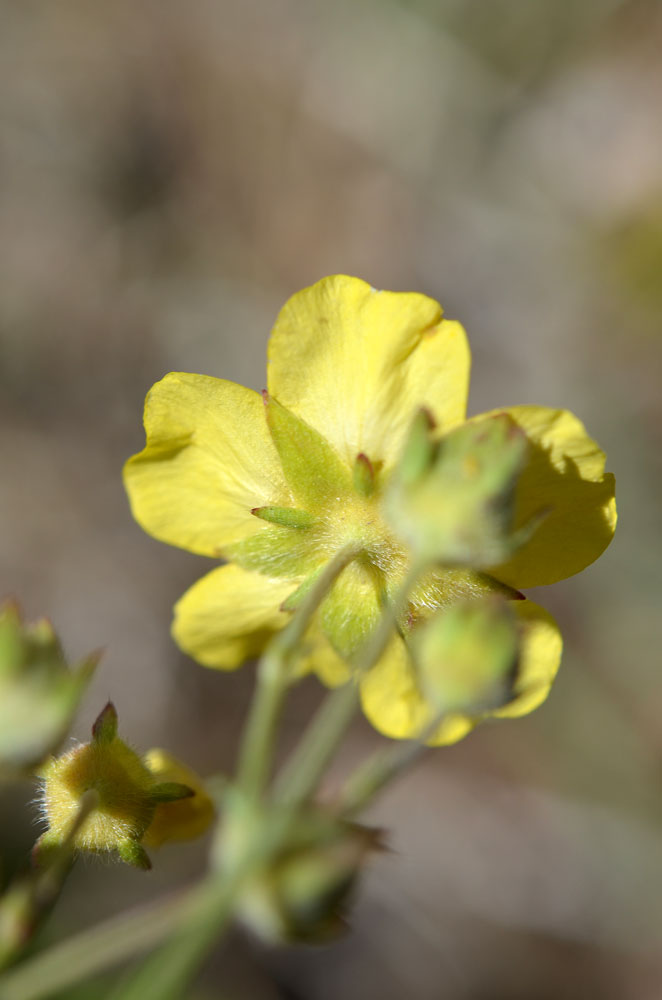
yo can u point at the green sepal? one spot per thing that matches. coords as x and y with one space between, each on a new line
104 728
134 854
313 469
364 476
171 791
13 640
277 552
287 517
301 893
352 608
419 450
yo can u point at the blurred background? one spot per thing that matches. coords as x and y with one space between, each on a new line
169 174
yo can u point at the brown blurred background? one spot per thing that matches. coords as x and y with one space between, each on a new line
169 174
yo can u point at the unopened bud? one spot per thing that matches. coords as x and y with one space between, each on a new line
311 890
453 499
39 692
466 656
128 796
302 894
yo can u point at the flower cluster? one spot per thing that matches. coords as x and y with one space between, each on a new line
277 485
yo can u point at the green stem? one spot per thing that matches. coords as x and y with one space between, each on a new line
26 904
166 974
274 678
379 770
71 961
302 772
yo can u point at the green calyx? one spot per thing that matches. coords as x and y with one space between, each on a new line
127 795
449 503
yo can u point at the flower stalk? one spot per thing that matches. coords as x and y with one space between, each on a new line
274 678
26 905
302 773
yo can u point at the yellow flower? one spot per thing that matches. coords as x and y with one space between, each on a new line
278 486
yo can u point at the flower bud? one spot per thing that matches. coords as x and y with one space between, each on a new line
131 796
452 499
39 693
302 894
310 889
466 656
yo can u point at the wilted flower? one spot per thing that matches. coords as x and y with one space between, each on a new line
278 487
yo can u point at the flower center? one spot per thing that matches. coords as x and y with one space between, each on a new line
358 520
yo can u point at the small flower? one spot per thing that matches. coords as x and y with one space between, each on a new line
278 486
132 795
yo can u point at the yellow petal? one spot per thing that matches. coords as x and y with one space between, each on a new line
393 703
209 459
540 658
229 616
356 364
185 818
319 657
565 472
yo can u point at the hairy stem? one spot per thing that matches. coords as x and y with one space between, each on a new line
274 678
303 770
26 904
379 770
73 960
